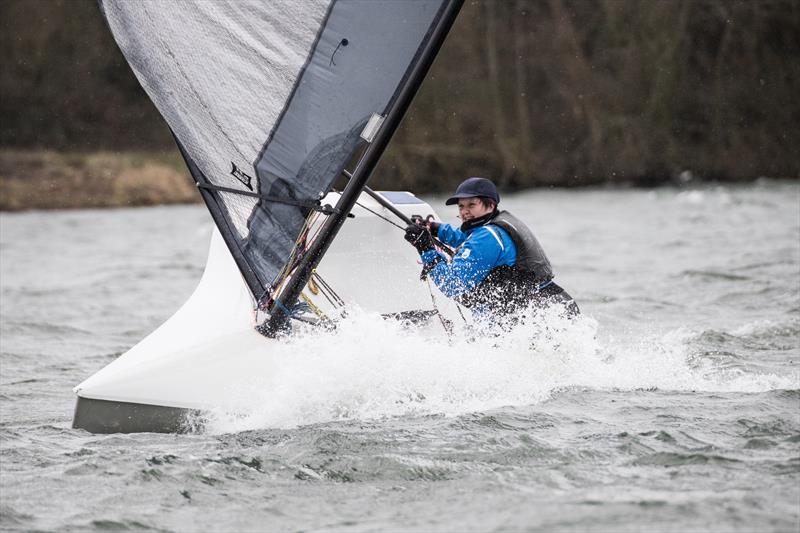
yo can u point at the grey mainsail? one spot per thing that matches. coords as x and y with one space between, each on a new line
268 100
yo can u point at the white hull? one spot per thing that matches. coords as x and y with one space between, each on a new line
208 349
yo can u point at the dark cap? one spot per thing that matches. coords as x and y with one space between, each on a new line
474 187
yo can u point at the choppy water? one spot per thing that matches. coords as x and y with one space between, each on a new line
675 405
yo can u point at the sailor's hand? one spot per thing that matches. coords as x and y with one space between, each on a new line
419 237
428 222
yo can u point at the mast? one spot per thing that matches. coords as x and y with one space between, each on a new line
361 174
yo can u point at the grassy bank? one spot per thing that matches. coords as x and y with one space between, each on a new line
42 179
31 179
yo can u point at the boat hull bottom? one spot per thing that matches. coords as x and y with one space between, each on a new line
105 416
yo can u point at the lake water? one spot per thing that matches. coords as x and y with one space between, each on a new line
673 405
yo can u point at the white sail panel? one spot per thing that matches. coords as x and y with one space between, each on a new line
220 73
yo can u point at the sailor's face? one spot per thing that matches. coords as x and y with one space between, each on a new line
469 208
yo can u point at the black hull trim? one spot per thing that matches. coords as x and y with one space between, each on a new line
104 416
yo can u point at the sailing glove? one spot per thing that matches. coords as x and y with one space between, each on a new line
428 222
419 237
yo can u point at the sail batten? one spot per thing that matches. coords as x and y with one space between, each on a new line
268 101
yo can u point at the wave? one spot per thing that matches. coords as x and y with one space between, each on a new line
713 275
371 368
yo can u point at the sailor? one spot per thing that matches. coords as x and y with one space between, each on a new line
498 267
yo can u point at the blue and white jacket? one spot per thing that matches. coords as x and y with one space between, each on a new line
478 252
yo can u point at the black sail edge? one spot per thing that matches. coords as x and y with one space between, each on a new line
301 274
217 209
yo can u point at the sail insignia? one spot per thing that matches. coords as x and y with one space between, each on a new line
237 173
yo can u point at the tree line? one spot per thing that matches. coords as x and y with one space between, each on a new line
528 92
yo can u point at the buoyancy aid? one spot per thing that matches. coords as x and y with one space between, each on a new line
506 288
531 259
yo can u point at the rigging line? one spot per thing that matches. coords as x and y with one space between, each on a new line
338 302
458 306
325 286
277 199
316 310
369 191
392 209
330 296
302 238
291 263
392 222
321 289
313 237
327 291
446 249
446 324
327 297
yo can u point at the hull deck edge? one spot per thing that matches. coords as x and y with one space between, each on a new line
106 416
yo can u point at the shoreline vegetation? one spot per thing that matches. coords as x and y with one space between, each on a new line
47 179
545 93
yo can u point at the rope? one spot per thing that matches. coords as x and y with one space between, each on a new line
446 324
393 223
291 263
442 246
327 291
317 311
277 199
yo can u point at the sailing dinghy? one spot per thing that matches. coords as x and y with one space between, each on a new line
272 103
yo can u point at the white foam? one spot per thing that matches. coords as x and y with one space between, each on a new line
763 326
370 368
